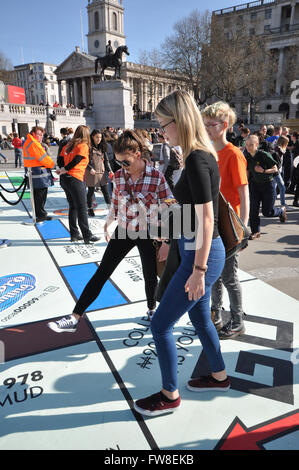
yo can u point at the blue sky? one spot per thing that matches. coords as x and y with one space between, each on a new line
49 30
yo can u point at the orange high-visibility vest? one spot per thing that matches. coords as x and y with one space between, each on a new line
34 154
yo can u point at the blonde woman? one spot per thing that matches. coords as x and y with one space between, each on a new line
201 262
218 118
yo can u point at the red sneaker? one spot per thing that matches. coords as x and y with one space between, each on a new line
208 384
156 405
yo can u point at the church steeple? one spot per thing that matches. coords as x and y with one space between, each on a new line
105 22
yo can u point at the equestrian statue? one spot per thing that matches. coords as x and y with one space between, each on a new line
111 61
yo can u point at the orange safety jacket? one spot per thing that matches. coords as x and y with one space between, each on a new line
34 154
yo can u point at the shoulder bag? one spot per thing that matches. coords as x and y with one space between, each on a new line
233 232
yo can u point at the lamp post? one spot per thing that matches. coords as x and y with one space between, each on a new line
46 81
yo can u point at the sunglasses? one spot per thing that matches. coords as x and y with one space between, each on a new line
207 126
162 128
124 163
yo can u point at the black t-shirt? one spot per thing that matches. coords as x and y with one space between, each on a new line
199 183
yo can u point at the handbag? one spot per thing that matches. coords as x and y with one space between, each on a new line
234 233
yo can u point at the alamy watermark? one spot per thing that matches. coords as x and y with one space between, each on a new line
158 221
295 94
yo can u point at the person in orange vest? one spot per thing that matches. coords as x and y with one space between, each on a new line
36 156
72 163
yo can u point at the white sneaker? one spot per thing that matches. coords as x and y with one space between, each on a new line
66 324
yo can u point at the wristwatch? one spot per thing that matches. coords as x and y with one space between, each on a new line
200 268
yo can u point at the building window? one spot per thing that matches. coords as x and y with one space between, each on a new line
268 14
252 31
96 20
114 21
253 16
267 27
160 90
268 107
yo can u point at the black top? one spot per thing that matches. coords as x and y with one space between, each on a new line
266 161
199 183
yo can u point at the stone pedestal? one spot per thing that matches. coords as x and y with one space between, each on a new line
112 105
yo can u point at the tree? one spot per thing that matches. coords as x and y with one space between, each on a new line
6 69
152 58
237 61
183 51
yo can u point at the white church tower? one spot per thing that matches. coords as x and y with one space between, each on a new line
105 23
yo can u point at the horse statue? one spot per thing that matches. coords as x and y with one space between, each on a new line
111 61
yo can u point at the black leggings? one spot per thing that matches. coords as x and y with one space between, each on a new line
115 252
105 192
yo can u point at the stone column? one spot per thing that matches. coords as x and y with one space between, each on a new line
59 93
84 91
68 92
279 71
140 96
292 19
76 93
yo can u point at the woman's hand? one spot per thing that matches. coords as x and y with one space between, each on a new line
61 171
106 233
111 174
92 171
195 285
163 252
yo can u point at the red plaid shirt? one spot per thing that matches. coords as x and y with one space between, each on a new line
135 204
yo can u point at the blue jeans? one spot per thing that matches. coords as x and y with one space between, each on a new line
282 189
18 158
264 193
175 303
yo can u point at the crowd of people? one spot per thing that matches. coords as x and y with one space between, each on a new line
198 156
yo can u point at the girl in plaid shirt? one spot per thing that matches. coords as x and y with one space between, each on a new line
138 189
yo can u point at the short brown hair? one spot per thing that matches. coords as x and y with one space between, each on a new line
245 130
282 141
37 128
129 140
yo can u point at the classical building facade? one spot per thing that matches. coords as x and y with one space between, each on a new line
148 84
278 22
40 83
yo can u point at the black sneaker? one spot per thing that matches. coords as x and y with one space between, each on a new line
66 324
91 213
91 240
231 330
296 203
43 219
76 238
150 314
217 319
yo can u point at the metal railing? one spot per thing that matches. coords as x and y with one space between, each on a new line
244 6
286 28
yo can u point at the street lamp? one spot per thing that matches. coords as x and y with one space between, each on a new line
46 81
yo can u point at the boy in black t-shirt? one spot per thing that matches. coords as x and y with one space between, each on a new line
261 168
